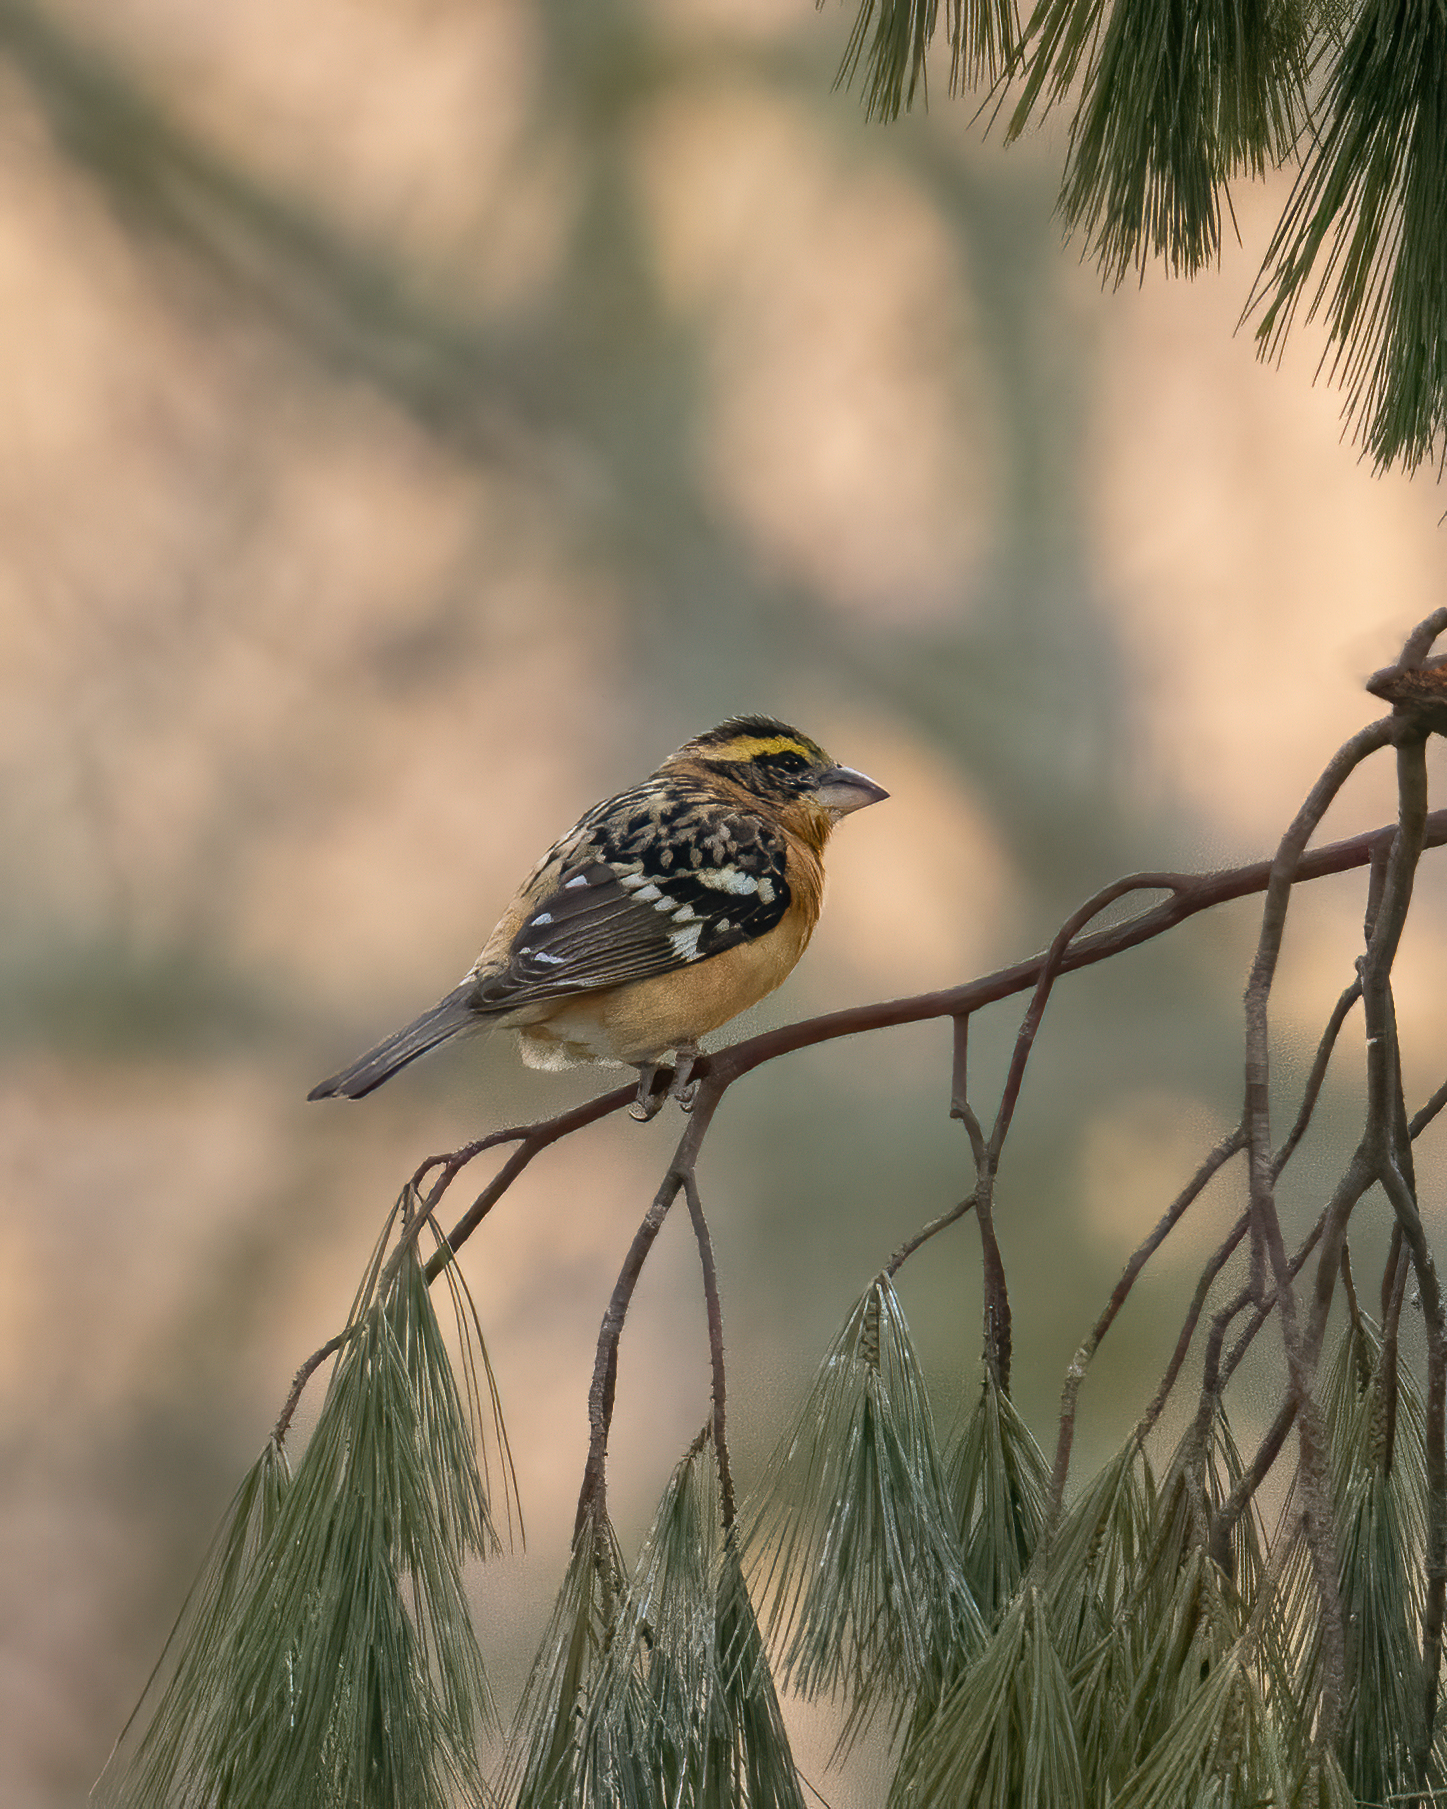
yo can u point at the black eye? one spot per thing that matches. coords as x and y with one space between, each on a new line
789 763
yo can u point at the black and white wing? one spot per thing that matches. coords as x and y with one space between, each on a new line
665 879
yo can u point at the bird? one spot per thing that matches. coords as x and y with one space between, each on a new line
664 912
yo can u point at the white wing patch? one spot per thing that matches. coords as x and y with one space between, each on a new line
730 879
685 941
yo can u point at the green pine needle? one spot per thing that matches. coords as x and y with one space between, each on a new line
1098 1553
893 53
1097 1560
1184 1625
998 1483
750 1765
1003 1736
1322 1784
1141 1615
1370 212
1220 1751
1382 1554
851 1534
483 1403
659 1697
1224 1470
1380 1517
1176 97
332 1659
547 1767
649 1717
167 1752
892 37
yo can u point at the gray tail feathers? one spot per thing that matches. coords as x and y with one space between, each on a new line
445 1019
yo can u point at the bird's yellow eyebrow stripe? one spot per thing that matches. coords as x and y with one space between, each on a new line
753 747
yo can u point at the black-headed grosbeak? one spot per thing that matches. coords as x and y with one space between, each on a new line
664 913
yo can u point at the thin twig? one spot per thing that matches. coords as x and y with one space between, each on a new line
1050 971
715 1348
1265 1308
1217 1375
1229 1146
1436 1555
1310 1097
996 1293
1389 1387
1282 877
534 1139
959 1067
942 1223
1428 1112
302 1377
995 1290
996 1302
592 1497
1220 1257
1250 1480
1317 1077
1386 1116
1389 1269
1349 1288
1190 895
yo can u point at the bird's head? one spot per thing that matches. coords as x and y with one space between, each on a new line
780 766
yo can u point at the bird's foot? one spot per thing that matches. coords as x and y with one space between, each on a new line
682 1087
649 1101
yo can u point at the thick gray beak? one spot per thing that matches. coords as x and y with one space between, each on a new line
841 790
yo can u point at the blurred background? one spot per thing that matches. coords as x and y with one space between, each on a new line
419 416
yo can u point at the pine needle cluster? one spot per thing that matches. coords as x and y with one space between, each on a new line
1022 1662
1172 100
1119 1662
327 1655
852 1534
1368 217
1379 1476
654 1692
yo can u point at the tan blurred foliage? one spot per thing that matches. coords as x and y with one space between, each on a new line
480 399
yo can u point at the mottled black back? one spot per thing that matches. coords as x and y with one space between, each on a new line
657 878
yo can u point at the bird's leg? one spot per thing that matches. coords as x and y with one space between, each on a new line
681 1087
649 1103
